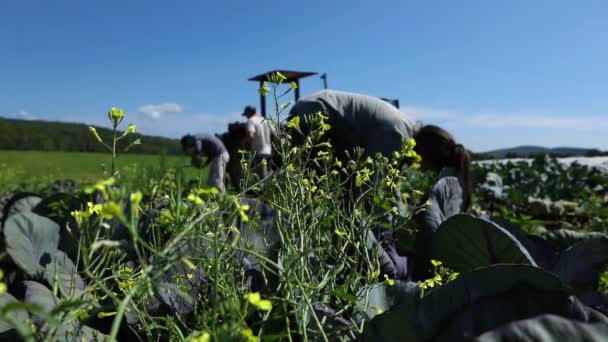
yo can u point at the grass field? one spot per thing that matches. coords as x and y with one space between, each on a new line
41 167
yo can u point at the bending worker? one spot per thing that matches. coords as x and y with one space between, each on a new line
210 146
358 120
377 126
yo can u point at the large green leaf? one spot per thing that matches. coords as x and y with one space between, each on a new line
465 243
62 270
24 205
17 315
486 298
547 328
36 293
19 202
398 324
562 239
381 297
71 330
392 310
580 265
31 241
543 253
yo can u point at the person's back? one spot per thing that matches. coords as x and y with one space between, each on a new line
209 145
262 143
359 120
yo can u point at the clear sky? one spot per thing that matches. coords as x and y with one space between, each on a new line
494 73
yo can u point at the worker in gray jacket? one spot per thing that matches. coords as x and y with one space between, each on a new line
358 120
211 147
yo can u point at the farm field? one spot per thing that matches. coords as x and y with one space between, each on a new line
40 167
600 162
140 258
323 249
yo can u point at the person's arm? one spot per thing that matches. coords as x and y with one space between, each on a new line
207 162
196 161
250 131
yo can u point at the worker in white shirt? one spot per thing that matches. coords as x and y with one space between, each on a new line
260 136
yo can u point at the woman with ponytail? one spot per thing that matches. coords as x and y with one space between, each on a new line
441 153
451 193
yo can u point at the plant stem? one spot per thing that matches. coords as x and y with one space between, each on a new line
120 313
113 151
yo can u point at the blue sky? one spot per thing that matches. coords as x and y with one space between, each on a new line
494 73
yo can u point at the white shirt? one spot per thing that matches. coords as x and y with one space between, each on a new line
262 143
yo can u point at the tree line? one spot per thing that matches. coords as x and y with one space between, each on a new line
61 136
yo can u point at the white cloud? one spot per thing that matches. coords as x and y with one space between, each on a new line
540 121
156 111
23 115
26 115
182 123
509 119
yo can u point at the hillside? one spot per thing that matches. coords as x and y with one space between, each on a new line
63 136
528 151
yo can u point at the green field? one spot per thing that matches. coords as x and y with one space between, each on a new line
40 167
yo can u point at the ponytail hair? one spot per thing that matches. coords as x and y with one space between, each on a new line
440 149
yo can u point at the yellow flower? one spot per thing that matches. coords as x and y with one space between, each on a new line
204 337
256 300
93 131
166 217
242 209
136 198
111 210
389 281
3 287
281 76
195 199
93 208
249 335
294 123
207 191
340 233
132 128
100 185
77 215
116 115
264 89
